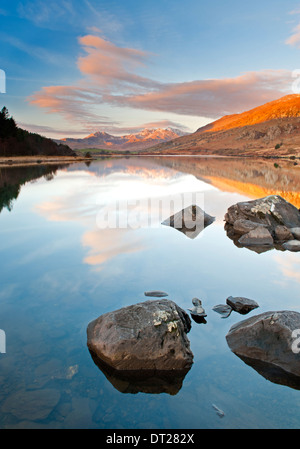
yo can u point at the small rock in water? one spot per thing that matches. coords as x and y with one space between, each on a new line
241 305
191 221
156 294
219 412
197 309
223 309
296 232
292 245
258 236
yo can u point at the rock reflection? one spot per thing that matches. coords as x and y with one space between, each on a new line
272 372
199 319
142 381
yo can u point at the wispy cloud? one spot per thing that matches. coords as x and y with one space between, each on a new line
79 15
294 39
34 51
45 13
111 75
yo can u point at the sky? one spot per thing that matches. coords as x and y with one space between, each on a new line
75 67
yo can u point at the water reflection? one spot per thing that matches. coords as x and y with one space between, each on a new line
118 198
272 372
13 178
251 177
142 381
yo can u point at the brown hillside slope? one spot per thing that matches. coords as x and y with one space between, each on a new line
252 133
288 106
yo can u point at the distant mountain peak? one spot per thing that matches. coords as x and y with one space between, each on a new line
136 141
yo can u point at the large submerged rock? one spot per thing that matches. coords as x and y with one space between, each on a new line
263 224
268 342
145 337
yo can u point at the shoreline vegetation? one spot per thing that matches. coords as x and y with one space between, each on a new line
17 142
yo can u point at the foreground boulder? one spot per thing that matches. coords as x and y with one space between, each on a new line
268 342
191 221
264 224
145 337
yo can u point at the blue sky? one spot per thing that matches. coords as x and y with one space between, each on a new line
75 67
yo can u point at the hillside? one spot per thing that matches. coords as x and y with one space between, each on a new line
15 141
255 132
133 142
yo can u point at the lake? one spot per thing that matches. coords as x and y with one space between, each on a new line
64 263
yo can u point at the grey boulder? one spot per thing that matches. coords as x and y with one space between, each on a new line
258 236
268 342
263 224
148 336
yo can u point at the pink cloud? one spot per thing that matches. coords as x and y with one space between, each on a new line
108 64
211 98
110 76
294 39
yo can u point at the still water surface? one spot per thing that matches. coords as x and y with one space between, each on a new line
59 271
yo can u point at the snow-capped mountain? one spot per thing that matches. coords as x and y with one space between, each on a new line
144 139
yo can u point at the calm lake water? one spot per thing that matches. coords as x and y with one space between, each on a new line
60 270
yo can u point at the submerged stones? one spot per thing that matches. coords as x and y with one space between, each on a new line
142 339
191 221
269 343
31 404
263 224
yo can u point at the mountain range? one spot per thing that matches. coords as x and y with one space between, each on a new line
133 142
270 129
